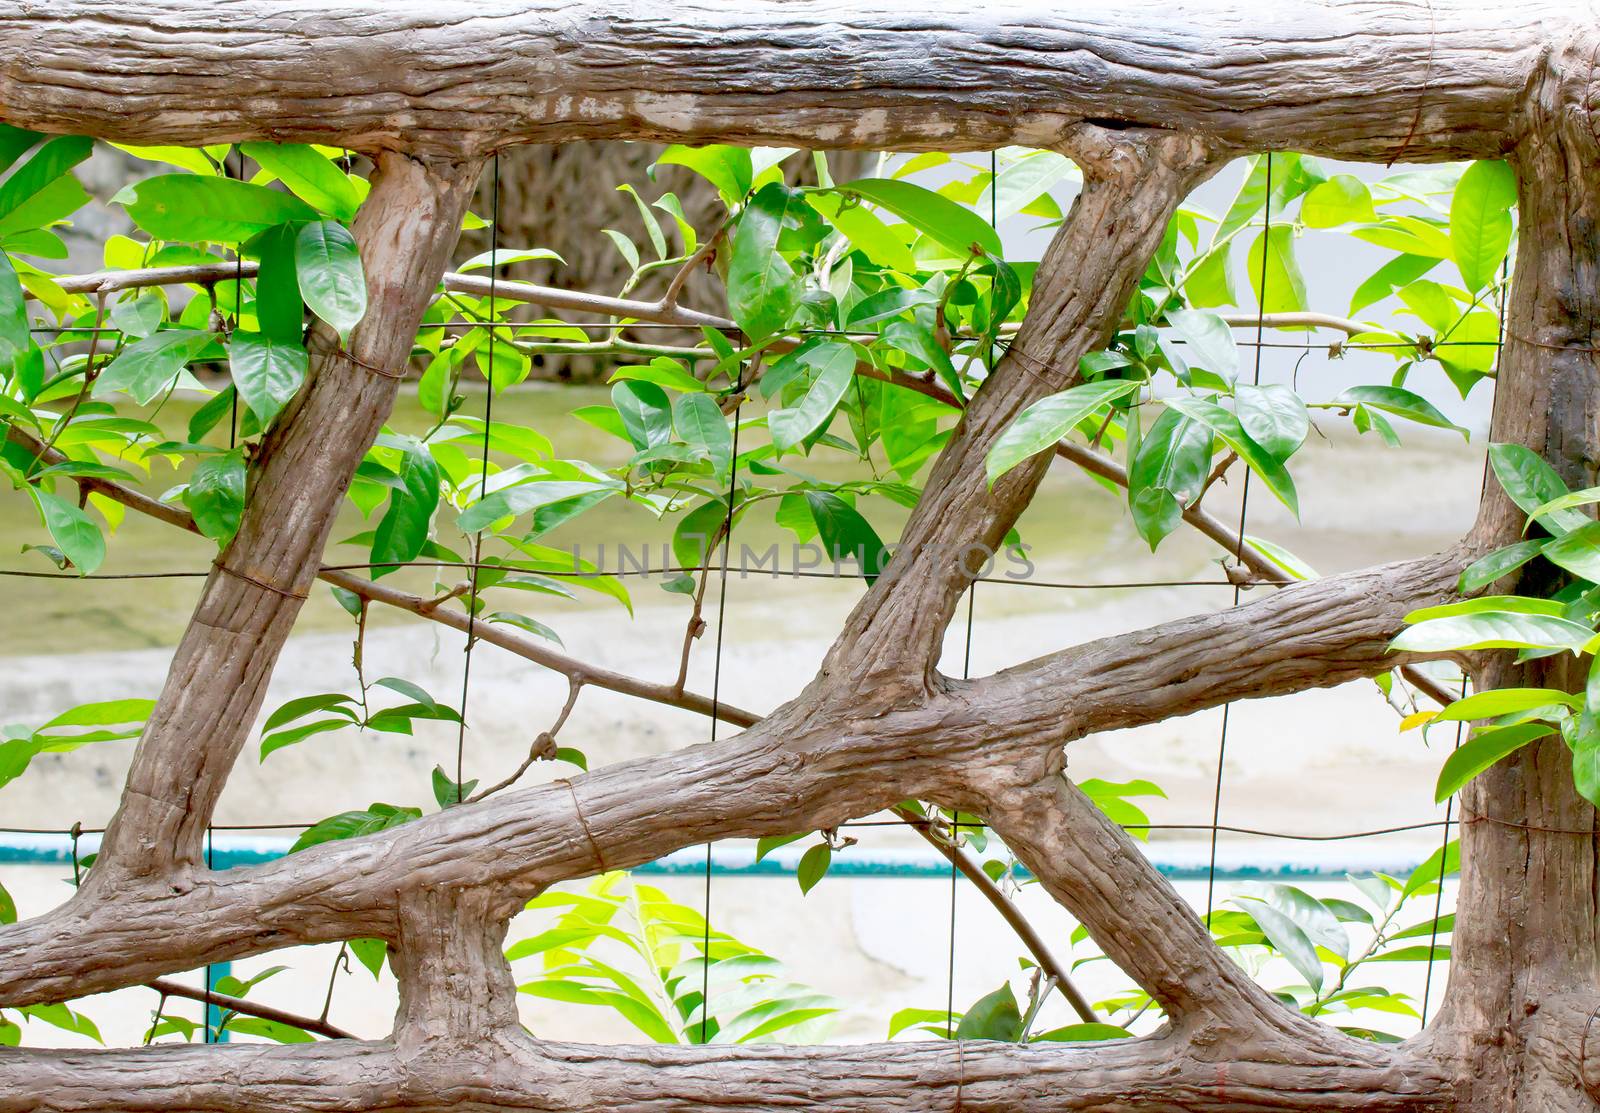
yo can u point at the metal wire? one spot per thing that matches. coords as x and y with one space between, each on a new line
1238 556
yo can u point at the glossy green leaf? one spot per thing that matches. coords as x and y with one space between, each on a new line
726 167
1501 562
403 530
40 190
1483 750
311 175
1228 428
1480 221
215 495
328 268
146 368
1342 199
73 531
1284 289
813 865
1531 483
1504 701
266 371
763 289
352 824
833 365
1289 939
1082 1033
866 233
1168 472
514 501
645 412
951 224
1274 417
1209 339
14 336
1042 424
700 422
1400 402
1578 551
1493 630
994 1016
843 531
219 210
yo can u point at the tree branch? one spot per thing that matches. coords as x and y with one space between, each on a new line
764 72
239 1005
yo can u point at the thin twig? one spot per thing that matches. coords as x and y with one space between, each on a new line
1002 904
543 746
249 1008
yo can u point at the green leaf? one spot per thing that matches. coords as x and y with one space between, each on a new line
305 705
139 316
1285 287
1578 552
1210 341
1274 417
274 1030
1483 750
36 181
189 207
1401 403
1493 630
1082 1033
328 268
833 365
1504 701
1439 865
1168 472
1586 765
1288 938
813 865
700 422
767 845
8 907
349 825
1531 483
447 792
1342 199
146 368
1226 426
845 532
266 371
1585 497
994 1016
513 501
1042 424
663 372
280 312
279 739
728 168
403 530
14 336
953 225
645 412
866 233
763 289
1480 221
215 495
75 534
310 174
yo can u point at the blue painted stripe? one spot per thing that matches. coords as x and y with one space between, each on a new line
1178 861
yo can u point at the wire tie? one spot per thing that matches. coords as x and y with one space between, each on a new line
264 585
345 353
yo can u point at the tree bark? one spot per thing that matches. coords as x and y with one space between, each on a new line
1366 80
1526 951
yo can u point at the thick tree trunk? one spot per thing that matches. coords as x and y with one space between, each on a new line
1526 956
